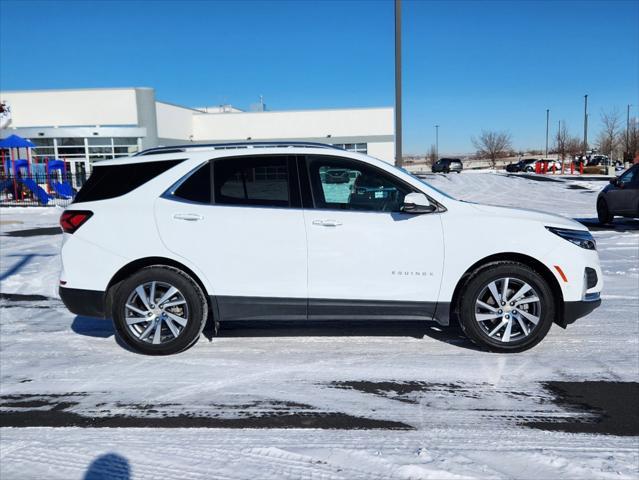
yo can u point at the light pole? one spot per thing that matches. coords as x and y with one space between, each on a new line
436 142
547 120
398 83
627 155
585 126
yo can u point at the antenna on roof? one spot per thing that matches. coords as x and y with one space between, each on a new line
259 107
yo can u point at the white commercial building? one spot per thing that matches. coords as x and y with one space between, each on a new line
88 125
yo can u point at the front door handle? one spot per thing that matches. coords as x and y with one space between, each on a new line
189 217
327 223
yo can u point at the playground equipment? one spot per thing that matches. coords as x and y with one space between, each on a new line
19 181
60 186
22 174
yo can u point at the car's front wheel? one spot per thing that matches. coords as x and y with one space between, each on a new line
506 307
603 212
159 310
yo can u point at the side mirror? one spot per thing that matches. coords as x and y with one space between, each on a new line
417 203
614 181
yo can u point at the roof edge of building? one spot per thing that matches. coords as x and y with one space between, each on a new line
85 89
331 109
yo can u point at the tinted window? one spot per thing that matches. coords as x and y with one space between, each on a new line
115 180
259 180
347 185
197 188
629 176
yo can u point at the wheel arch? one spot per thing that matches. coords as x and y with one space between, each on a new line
538 266
136 265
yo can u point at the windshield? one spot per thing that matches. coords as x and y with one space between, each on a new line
424 182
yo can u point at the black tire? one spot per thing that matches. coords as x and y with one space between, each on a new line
195 302
516 272
603 212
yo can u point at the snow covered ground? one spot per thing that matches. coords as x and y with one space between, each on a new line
354 401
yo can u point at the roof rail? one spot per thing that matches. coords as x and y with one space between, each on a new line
225 146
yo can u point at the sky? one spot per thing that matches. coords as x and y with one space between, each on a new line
468 66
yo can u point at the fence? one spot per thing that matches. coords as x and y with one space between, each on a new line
38 190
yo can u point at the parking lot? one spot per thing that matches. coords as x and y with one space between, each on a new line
323 400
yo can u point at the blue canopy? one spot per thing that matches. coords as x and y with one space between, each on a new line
56 164
15 141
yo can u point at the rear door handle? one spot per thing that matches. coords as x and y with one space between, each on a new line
327 223
189 217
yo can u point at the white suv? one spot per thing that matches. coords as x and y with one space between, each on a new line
165 239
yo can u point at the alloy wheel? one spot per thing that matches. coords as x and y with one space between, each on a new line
156 312
508 310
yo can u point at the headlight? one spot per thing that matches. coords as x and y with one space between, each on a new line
578 237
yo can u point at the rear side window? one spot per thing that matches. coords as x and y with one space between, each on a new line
259 181
116 180
197 187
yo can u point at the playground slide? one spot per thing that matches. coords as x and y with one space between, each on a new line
36 189
63 189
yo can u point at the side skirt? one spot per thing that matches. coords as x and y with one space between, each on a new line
337 309
233 308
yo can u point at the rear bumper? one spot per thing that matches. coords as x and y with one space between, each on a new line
88 303
575 310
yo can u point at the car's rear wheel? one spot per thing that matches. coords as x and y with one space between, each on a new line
603 212
506 307
159 310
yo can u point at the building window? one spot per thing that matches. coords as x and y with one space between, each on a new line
93 149
43 148
124 146
353 147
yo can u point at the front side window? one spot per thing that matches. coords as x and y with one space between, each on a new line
258 181
630 177
342 184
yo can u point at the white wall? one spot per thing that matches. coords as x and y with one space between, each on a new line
72 107
382 150
293 124
173 121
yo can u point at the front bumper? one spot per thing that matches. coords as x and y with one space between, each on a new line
87 303
574 310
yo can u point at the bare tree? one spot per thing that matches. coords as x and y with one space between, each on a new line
574 146
560 141
630 140
492 145
432 155
566 145
609 135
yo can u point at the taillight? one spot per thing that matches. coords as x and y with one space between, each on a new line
71 220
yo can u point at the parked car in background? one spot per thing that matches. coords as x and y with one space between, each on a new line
596 160
621 197
447 165
259 234
521 165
